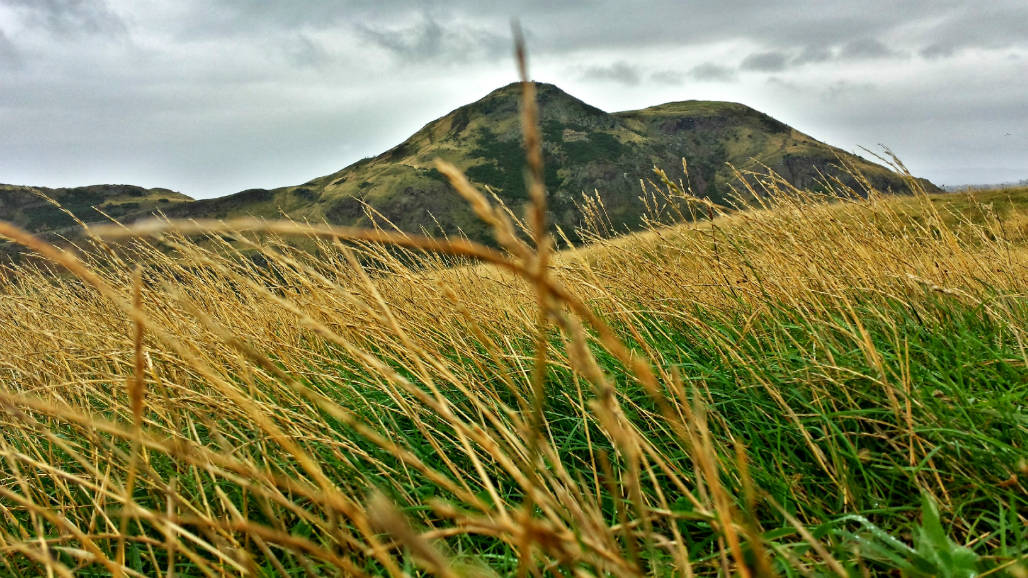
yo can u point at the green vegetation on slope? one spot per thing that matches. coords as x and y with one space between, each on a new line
28 207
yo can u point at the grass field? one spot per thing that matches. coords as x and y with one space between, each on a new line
825 384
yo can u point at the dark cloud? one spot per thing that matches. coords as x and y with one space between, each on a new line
856 49
989 26
417 42
765 62
867 48
711 72
9 56
845 89
782 84
304 51
938 50
621 72
607 24
70 17
813 54
669 77
428 40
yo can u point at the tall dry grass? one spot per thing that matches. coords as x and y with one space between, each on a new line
750 393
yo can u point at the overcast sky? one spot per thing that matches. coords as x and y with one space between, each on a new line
212 97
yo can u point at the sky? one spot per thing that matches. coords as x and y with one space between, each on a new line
213 97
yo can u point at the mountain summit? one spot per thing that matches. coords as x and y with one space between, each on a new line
585 150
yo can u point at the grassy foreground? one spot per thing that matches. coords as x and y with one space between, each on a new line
800 388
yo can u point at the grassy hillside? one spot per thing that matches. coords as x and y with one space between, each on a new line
29 207
586 150
803 388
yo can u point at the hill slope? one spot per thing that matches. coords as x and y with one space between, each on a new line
27 207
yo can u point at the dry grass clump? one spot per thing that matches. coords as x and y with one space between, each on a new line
768 391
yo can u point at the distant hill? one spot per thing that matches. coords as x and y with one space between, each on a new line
986 186
27 207
586 150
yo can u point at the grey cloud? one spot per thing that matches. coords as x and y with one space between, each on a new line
842 89
712 72
938 50
621 72
813 54
9 56
418 42
866 48
856 49
70 16
243 17
304 51
987 26
563 28
782 84
671 77
773 25
765 62
428 40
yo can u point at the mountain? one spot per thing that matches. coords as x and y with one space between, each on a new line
585 150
